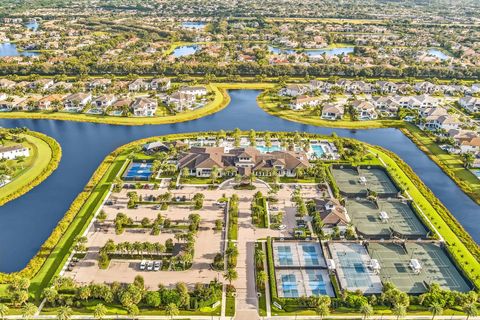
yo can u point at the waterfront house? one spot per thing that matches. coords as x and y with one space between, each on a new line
332 112
144 107
76 101
13 152
195 91
49 102
365 109
104 101
305 101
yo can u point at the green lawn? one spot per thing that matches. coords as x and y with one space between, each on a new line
230 307
36 166
60 253
450 163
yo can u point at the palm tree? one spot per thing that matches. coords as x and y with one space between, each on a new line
436 309
29 310
171 310
64 313
470 310
100 311
3 311
230 275
366 310
322 311
399 310
261 279
259 258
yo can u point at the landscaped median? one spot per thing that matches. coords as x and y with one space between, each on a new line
220 101
46 154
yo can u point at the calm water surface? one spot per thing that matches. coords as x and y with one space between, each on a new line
26 222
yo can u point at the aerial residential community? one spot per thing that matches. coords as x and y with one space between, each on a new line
239 160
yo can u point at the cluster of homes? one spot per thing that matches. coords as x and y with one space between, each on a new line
13 152
106 103
380 87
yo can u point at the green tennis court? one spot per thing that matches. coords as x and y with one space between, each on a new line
435 266
352 181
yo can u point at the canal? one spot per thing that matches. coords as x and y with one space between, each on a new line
26 222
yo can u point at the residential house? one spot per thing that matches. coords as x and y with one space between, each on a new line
294 90
386 105
99 83
195 91
387 87
104 101
332 112
76 101
471 145
13 152
139 85
471 104
181 101
49 102
303 101
41 84
365 109
7 84
162 84
144 107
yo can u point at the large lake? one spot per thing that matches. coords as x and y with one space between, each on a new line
8 49
26 222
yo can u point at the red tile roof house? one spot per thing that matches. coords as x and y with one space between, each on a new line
244 161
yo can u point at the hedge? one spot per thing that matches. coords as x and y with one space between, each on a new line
52 166
271 271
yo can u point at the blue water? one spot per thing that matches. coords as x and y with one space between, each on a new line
139 171
27 221
194 25
10 50
318 150
314 52
183 51
438 53
264 149
32 25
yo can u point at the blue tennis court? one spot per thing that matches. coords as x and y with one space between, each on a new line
316 283
138 171
284 254
310 255
289 286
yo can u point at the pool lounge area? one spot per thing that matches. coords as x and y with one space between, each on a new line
138 171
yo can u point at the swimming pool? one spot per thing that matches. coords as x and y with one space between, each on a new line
476 172
317 151
138 171
264 149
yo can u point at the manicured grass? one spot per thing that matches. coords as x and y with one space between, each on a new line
220 101
230 306
40 157
57 258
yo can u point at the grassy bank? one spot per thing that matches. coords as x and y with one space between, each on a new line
45 155
220 101
451 164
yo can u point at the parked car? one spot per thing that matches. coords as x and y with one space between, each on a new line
142 265
150 266
282 227
156 266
